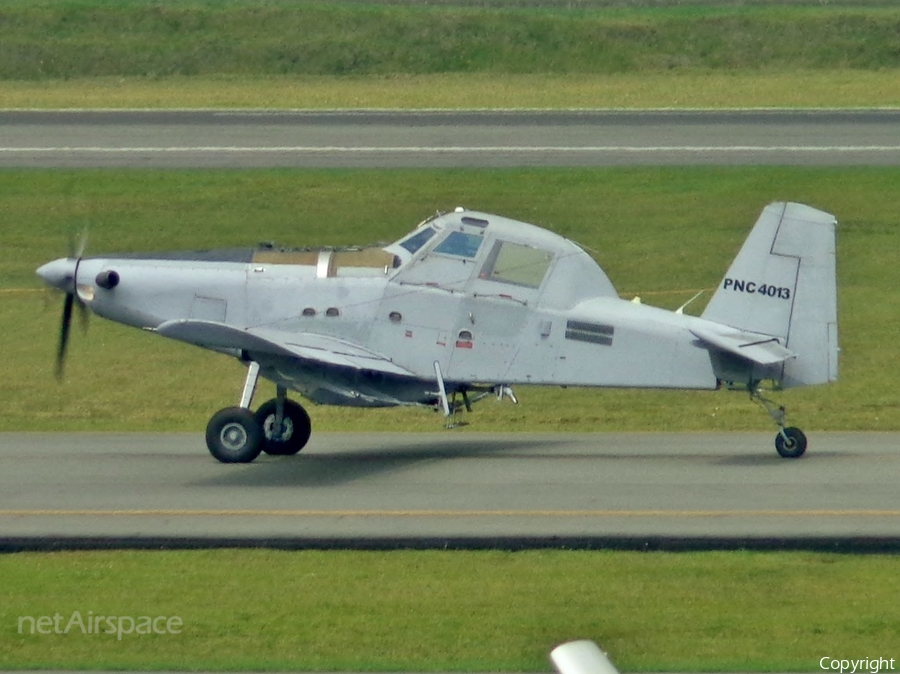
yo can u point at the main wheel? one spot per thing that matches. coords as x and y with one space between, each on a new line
294 432
234 436
793 446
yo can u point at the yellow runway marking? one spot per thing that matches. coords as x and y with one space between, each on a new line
449 513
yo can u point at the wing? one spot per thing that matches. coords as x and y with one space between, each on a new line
761 349
303 345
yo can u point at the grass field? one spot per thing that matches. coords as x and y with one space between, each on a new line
451 611
65 39
307 54
793 88
662 233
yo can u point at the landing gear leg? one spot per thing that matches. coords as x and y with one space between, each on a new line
233 435
455 419
448 405
790 442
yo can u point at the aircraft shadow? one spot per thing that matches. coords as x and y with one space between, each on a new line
341 467
772 458
327 469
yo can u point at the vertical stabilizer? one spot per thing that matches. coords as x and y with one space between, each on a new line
783 283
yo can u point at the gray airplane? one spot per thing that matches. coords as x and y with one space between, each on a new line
464 307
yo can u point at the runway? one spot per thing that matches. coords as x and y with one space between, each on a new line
450 488
423 139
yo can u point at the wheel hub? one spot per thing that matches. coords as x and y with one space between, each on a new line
282 434
233 437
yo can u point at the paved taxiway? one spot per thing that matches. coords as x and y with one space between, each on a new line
452 484
381 139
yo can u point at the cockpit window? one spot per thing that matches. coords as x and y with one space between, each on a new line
460 244
419 239
516 264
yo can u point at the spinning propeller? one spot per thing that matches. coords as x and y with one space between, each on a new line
63 274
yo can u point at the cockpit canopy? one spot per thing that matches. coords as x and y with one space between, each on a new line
479 253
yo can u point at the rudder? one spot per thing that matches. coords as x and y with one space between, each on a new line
783 283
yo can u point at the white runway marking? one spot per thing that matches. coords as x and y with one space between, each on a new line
457 149
475 514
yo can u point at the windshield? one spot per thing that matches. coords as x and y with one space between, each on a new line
461 244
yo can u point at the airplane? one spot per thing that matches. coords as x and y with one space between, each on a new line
464 307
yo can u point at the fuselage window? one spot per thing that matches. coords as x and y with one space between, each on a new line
460 244
516 264
419 239
332 312
309 311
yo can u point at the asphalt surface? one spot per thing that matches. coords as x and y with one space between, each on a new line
451 488
382 139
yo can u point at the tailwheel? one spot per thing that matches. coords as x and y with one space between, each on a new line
233 435
790 443
283 434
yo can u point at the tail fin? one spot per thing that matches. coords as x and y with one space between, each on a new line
783 284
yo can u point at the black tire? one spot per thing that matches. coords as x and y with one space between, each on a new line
234 436
296 431
792 447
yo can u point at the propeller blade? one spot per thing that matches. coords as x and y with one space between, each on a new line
64 327
58 274
76 247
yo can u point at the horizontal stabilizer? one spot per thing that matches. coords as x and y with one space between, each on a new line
317 348
761 349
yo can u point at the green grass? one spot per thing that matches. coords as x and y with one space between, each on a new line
131 38
732 89
305 54
659 232
449 611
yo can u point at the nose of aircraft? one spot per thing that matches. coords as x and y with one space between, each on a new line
59 273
